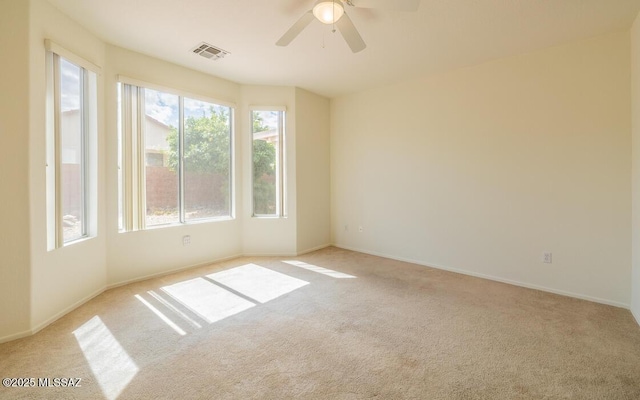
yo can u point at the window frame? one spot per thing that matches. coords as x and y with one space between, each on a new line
131 157
281 165
88 116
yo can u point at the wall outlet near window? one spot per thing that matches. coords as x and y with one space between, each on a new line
186 240
546 257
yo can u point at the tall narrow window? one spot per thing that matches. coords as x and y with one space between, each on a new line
176 158
71 169
268 162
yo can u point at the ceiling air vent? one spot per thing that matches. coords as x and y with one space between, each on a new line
208 51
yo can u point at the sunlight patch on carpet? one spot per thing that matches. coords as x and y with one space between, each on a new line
256 282
160 315
109 362
209 301
174 309
320 270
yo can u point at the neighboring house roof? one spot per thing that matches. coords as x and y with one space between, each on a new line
269 136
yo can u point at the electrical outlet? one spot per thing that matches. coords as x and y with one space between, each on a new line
186 240
360 229
546 257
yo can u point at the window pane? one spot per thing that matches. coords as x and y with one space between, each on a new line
72 145
207 150
266 144
161 157
120 180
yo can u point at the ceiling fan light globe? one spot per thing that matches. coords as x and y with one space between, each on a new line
328 12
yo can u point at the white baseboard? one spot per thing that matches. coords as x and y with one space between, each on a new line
323 246
82 301
40 326
294 254
636 315
269 254
492 278
15 336
169 272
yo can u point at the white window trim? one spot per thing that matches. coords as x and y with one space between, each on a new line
53 47
54 195
133 167
195 96
267 108
281 163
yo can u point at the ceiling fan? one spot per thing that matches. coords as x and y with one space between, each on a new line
332 12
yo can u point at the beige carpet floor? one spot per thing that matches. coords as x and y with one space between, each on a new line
332 324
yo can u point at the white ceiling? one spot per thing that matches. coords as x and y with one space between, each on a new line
441 35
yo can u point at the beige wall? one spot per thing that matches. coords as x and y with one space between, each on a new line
482 169
15 308
635 126
63 278
312 166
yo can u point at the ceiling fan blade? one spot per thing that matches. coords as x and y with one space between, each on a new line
397 5
296 28
350 33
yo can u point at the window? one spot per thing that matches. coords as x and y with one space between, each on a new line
267 132
71 141
175 158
